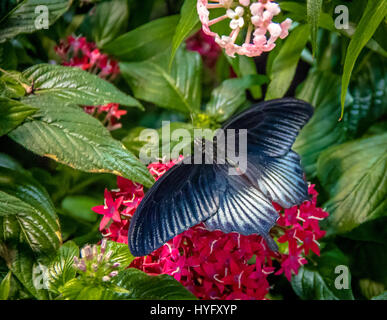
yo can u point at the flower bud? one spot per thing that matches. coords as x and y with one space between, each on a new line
103 245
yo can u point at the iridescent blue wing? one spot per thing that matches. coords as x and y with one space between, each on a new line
273 125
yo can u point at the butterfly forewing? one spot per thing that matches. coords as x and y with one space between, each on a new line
272 126
180 199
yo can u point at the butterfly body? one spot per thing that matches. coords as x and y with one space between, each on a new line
191 193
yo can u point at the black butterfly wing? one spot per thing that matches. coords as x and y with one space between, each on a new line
244 209
280 179
188 194
272 126
184 196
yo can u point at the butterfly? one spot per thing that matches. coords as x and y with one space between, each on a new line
188 194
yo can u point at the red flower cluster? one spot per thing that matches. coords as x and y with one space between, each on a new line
213 264
78 52
206 46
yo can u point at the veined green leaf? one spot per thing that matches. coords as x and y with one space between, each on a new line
5 286
13 113
375 12
70 136
146 287
29 268
367 102
120 254
23 18
230 95
189 21
313 12
60 270
354 174
285 63
145 41
27 214
178 89
74 85
317 281
109 19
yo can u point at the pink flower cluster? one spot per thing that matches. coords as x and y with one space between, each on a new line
213 264
253 16
78 52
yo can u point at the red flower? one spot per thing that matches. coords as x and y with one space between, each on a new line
206 46
77 52
216 265
109 210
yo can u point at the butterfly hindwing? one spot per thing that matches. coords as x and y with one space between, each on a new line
280 179
244 209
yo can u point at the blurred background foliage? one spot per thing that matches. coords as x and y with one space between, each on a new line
341 72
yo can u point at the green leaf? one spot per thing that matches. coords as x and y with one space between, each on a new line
156 146
382 296
79 207
230 95
245 66
27 214
13 113
74 85
313 13
60 270
78 289
145 41
13 85
321 90
5 286
109 19
22 18
367 102
317 281
285 63
145 287
179 89
27 267
72 137
7 161
299 12
368 260
121 254
189 20
375 12
370 289
354 175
